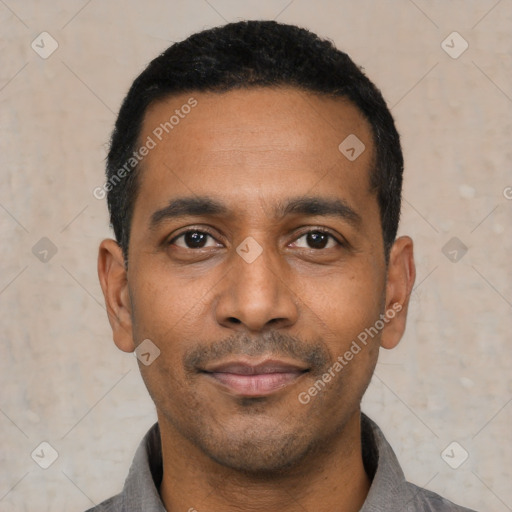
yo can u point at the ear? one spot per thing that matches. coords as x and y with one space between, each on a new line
400 280
114 283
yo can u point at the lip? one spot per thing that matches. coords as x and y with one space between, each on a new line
251 379
252 367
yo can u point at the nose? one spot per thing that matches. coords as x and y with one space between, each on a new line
256 295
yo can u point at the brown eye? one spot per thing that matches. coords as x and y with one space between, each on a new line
316 240
192 239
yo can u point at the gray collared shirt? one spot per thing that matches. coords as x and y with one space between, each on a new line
389 491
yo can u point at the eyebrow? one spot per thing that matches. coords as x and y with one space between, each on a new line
304 205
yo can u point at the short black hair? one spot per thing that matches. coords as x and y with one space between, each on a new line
253 54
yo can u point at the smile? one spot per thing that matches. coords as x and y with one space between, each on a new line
252 380
255 385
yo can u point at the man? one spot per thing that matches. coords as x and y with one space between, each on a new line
254 183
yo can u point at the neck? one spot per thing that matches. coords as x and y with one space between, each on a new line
333 478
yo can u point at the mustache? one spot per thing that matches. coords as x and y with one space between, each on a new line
314 355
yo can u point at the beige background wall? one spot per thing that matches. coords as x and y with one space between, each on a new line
61 378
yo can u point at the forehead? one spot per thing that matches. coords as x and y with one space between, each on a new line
253 144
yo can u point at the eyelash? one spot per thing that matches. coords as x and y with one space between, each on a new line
205 231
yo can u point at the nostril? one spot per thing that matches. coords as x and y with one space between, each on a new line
234 320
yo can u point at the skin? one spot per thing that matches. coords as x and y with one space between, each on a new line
303 300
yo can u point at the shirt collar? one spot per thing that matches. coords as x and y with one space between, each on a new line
389 490
140 490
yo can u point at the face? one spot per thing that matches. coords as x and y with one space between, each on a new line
256 259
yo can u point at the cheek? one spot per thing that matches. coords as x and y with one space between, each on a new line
170 311
166 311
344 304
167 307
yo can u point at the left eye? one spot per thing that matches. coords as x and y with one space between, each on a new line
317 240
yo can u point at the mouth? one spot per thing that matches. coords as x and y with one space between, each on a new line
250 379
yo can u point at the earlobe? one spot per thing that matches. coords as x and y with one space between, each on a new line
401 275
114 283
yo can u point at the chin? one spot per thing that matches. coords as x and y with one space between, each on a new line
258 452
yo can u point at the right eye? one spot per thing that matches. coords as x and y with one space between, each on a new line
193 239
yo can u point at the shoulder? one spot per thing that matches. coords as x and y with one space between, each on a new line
113 504
427 501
